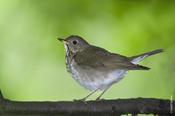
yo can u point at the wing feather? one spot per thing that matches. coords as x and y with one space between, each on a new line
96 57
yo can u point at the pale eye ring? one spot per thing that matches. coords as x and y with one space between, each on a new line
74 42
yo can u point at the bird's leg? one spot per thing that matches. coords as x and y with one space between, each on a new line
98 98
89 95
84 99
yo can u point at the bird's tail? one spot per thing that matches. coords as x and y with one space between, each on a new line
138 58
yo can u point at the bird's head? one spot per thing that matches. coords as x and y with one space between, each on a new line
74 43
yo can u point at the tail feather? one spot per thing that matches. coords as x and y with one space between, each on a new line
136 59
142 67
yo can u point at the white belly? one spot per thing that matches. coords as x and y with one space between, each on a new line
93 79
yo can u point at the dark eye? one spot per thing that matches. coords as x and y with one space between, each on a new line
74 42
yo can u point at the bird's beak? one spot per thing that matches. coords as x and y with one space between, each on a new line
60 39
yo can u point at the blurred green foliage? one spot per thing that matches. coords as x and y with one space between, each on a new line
32 64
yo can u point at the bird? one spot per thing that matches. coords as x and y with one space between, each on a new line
95 68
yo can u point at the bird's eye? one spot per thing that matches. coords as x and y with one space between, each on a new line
74 42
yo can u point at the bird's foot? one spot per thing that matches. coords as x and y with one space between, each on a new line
80 100
99 99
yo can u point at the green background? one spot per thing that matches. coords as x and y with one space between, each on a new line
32 61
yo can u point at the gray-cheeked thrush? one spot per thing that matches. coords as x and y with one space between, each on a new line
95 68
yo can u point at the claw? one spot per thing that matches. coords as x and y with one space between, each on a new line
81 100
99 99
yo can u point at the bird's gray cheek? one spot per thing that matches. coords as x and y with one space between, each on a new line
74 50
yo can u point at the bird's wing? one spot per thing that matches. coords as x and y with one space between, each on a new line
95 57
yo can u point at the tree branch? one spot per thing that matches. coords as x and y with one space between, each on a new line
103 107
